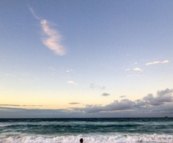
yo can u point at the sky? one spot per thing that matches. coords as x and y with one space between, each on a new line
94 58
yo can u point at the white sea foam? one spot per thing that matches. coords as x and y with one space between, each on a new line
94 138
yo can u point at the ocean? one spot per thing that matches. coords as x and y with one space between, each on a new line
92 130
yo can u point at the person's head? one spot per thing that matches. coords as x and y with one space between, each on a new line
81 140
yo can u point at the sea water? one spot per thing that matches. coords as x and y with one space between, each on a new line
97 130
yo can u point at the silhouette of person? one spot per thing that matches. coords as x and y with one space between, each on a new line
81 140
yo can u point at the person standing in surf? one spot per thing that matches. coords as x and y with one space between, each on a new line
81 140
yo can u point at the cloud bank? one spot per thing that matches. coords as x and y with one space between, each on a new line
150 102
158 105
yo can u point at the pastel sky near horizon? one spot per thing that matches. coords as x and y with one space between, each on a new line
94 58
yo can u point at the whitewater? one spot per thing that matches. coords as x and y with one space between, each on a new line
98 130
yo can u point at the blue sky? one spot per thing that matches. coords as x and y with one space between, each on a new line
86 58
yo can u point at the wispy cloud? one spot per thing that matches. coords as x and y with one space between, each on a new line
157 62
52 38
137 69
93 86
33 13
74 103
127 69
4 105
152 63
122 96
14 105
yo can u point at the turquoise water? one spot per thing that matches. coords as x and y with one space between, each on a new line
98 130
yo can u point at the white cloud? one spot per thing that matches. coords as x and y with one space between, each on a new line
52 38
152 63
137 69
156 62
165 61
71 82
69 71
